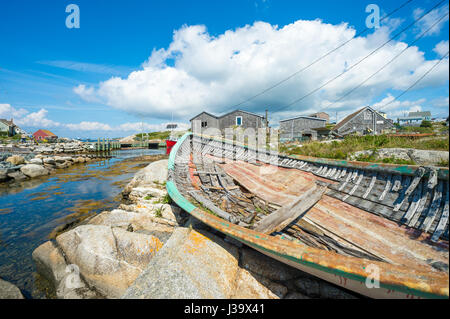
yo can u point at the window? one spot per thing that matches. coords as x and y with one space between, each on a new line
367 115
239 120
204 124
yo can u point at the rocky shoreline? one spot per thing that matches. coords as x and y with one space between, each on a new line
150 248
29 161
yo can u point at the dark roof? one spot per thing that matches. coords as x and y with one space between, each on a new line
6 122
304 117
242 111
419 114
218 117
202 113
348 118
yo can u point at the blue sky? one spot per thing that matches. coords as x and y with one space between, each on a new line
135 60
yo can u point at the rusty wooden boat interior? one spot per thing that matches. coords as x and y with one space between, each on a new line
333 219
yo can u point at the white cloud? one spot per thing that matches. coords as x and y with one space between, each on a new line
39 120
441 48
89 126
202 72
87 94
138 127
7 112
399 108
427 21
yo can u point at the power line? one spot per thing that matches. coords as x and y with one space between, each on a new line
357 63
318 59
393 59
415 83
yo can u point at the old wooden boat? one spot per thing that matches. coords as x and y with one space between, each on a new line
380 230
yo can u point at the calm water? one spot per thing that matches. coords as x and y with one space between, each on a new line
30 211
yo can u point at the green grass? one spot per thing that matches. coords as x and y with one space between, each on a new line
443 163
389 160
158 212
164 200
148 197
153 135
351 144
415 129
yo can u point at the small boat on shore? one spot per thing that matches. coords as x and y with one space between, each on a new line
169 145
172 140
380 230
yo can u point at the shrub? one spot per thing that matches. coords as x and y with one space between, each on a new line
426 124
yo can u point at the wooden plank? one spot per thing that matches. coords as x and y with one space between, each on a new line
426 192
342 185
279 219
372 182
413 207
386 188
419 174
210 205
355 187
344 242
443 221
218 188
433 209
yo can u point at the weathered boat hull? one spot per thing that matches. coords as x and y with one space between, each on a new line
395 281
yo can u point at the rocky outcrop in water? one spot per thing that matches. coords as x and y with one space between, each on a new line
9 291
73 147
19 168
110 250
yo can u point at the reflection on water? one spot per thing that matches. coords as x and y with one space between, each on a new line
35 210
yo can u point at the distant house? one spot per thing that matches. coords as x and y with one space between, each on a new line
44 135
7 127
236 118
414 118
171 126
321 115
301 128
364 121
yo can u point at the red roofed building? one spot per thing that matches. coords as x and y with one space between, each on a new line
44 135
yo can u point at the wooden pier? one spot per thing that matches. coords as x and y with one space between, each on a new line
106 145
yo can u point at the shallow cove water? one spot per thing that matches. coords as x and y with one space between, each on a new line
31 210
